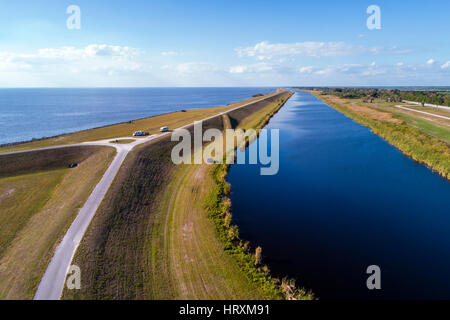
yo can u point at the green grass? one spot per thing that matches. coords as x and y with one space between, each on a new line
23 196
438 131
438 128
40 197
44 160
188 259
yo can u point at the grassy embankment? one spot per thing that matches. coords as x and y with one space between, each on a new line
421 139
126 129
436 127
122 141
218 205
39 198
153 239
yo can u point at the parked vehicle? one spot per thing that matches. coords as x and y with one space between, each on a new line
164 129
140 134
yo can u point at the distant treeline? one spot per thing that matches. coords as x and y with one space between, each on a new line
389 95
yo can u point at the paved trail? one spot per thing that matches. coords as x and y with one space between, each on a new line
52 283
423 112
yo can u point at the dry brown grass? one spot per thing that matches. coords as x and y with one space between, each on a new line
364 109
44 160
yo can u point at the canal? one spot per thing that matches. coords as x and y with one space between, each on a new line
345 199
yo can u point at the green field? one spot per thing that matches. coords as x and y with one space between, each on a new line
437 130
39 198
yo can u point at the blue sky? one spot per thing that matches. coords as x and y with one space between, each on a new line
223 43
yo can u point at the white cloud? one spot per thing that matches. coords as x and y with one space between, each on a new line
191 68
253 68
70 65
266 51
169 53
110 65
324 71
108 50
446 65
92 50
238 69
397 50
12 62
91 55
346 70
430 62
307 69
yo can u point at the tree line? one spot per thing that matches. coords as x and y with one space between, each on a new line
389 95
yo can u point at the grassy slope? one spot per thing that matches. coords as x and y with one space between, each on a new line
218 206
42 200
24 195
152 239
415 141
435 127
188 260
429 127
122 141
197 265
439 128
151 124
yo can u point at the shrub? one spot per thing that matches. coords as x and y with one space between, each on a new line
258 256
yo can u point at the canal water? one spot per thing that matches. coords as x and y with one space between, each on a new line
344 199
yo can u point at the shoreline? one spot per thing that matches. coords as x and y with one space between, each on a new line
12 144
125 128
62 134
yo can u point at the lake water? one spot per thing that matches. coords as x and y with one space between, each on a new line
344 199
35 113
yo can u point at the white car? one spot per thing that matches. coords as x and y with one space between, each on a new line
164 129
140 134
